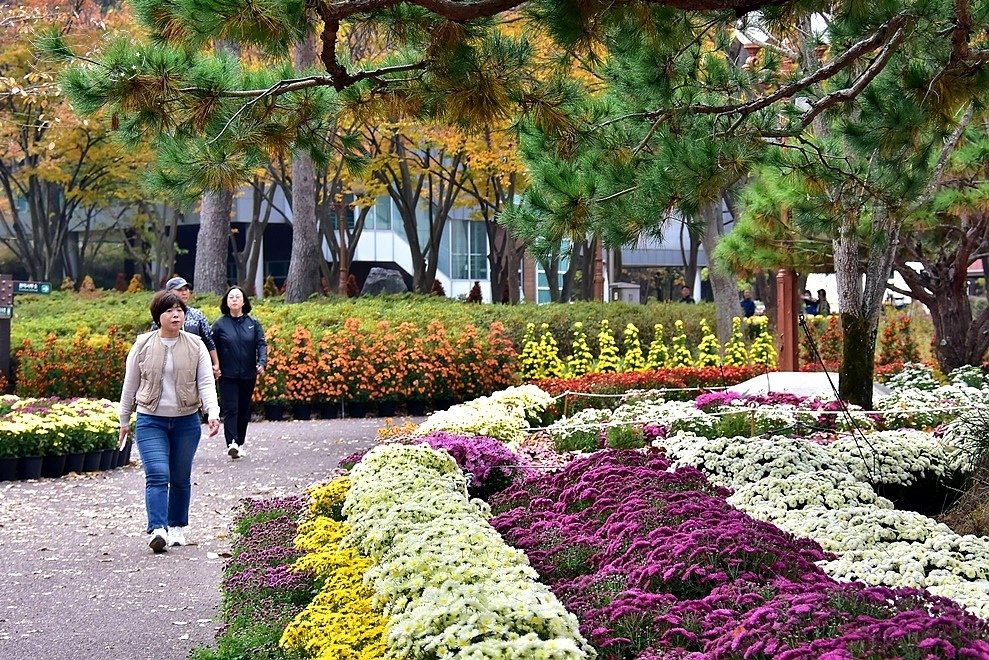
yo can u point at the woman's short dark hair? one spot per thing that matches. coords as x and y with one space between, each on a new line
225 308
163 301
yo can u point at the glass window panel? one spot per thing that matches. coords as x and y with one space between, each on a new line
459 250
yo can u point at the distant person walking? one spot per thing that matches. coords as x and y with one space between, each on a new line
823 306
810 305
195 321
747 304
685 296
168 378
243 356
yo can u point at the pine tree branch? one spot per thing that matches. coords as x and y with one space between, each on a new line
616 195
937 178
889 35
466 11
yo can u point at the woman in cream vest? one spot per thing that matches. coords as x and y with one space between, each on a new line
169 377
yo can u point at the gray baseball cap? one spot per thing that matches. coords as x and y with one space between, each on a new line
176 283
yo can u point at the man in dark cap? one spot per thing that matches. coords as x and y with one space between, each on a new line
195 320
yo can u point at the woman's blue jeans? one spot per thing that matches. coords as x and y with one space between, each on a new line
167 446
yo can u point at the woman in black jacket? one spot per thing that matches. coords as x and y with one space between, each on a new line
243 355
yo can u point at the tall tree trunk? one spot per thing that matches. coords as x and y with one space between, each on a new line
303 266
723 285
860 304
210 272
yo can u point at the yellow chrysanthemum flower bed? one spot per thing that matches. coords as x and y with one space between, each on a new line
340 622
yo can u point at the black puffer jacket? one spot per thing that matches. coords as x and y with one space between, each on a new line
240 345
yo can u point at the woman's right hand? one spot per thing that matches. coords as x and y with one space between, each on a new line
124 431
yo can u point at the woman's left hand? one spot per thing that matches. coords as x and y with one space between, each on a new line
214 427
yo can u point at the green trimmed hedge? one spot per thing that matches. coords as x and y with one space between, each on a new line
67 314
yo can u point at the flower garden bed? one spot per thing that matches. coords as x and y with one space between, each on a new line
724 527
53 437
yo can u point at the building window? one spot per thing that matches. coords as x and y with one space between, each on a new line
542 282
380 216
468 250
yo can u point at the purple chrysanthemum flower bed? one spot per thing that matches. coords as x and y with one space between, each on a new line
259 584
656 564
491 465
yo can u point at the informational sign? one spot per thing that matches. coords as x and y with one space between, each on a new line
32 287
6 311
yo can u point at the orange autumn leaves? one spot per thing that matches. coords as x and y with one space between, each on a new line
385 362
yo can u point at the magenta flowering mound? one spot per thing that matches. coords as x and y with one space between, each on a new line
259 585
656 564
489 464
711 401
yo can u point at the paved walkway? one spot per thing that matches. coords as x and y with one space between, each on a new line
77 579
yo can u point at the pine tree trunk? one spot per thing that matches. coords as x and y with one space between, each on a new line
210 273
857 360
723 285
959 339
303 267
860 303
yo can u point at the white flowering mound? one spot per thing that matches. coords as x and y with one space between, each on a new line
891 457
482 416
964 439
676 416
926 408
734 462
525 400
587 421
773 498
447 583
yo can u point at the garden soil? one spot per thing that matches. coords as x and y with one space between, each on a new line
77 579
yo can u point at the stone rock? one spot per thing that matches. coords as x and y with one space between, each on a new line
383 280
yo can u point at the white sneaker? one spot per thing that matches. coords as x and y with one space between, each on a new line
159 540
233 451
176 536
241 451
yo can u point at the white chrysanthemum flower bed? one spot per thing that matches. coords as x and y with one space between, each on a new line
484 416
892 457
738 461
528 401
443 577
773 498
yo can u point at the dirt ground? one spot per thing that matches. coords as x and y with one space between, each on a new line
77 579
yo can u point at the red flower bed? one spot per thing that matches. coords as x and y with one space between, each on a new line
692 379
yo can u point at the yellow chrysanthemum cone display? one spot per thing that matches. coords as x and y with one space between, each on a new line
633 359
659 355
608 360
549 364
736 354
763 351
709 349
529 358
581 359
679 353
